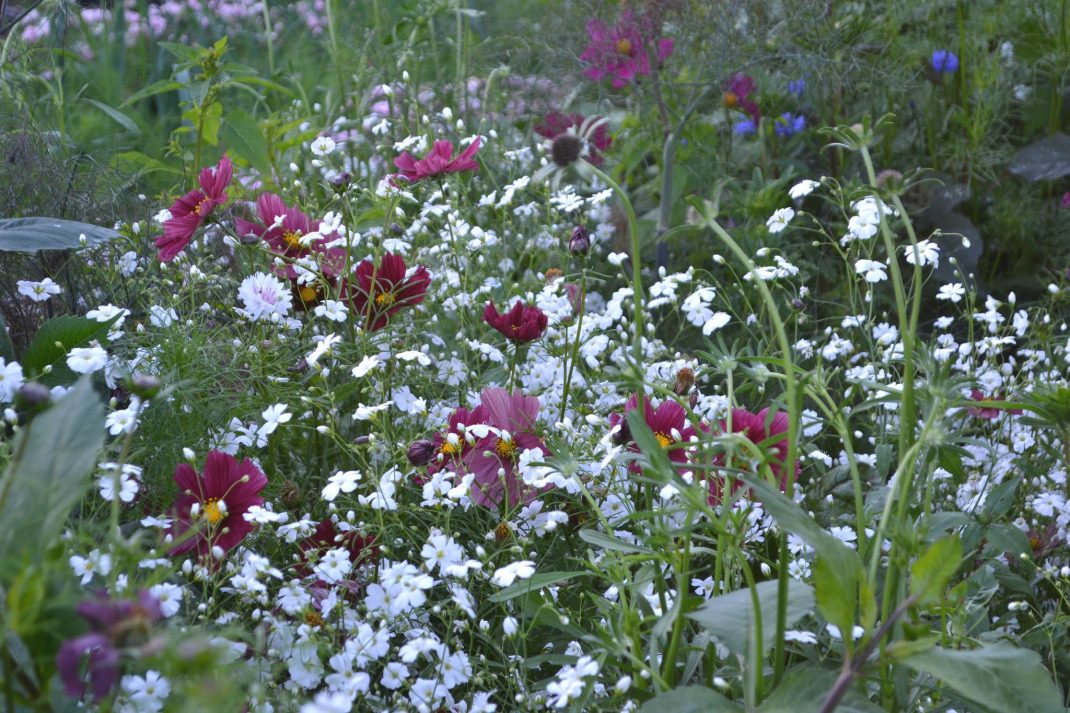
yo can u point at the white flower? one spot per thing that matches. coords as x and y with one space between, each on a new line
928 251
718 320
128 481
123 420
780 219
162 317
413 355
39 291
324 346
333 565
871 270
341 482
364 413
802 189
146 693
508 574
322 145
86 567
264 297
366 366
273 416
953 292
170 597
86 360
332 310
11 379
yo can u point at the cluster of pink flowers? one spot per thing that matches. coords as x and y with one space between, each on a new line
623 51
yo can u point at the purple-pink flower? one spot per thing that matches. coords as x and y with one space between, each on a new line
622 52
191 210
523 323
493 458
438 162
737 95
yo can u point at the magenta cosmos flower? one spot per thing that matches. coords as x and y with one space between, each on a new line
284 236
668 422
191 210
737 94
215 503
522 324
753 427
114 624
493 458
438 162
381 291
621 52
451 447
988 413
557 125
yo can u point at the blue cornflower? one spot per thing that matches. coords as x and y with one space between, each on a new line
788 124
945 62
797 87
745 127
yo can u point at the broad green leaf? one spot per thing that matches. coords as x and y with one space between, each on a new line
609 542
117 116
1002 498
534 583
29 235
243 137
931 572
137 162
52 342
1001 677
652 451
837 593
164 85
805 689
690 699
54 454
731 617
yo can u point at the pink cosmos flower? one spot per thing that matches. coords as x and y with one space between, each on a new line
380 292
451 447
620 52
557 124
285 237
668 422
753 427
988 413
513 418
522 324
190 211
215 502
737 94
438 162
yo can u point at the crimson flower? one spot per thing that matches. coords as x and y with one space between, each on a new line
215 502
381 291
113 625
360 548
189 211
493 458
620 52
753 427
558 125
523 323
988 413
439 161
668 422
737 94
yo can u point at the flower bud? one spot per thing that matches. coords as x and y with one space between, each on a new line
421 452
580 242
144 386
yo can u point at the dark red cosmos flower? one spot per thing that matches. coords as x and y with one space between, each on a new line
557 124
284 236
452 446
189 211
668 422
523 323
114 624
361 548
215 503
737 93
381 291
513 418
988 413
439 161
620 52
753 427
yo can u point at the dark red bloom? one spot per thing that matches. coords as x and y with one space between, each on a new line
361 548
285 236
512 418
190 211
113 625
523 323
621 52
439 161
668 422
215 503
381 291
737 94
753 427
557 124
988 413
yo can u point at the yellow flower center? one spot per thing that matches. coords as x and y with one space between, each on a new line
199 210
385 299
663 440
624 46
505 449
212 512
731 99
292 238
449 449
307 293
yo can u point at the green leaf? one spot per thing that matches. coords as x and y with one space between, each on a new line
53 456
837 594
653 454
931 572
164 85
52 342
29 235
242 134
117 116
535 583
731 617
805 689
1000 677
609 542
690 699
137 162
